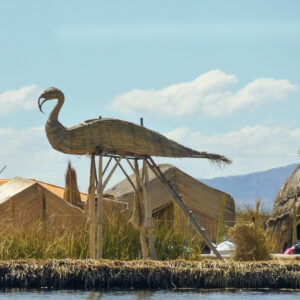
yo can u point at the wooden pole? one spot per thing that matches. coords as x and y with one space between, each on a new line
148 211
136 172
91 209
127 176
142 231
100 209
100 189
107 165
180 203
144 246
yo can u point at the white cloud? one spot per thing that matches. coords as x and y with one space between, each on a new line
26 152
251 148
24 98
209 95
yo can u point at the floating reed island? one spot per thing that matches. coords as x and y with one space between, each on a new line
107 274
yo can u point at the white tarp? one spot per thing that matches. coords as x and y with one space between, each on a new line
225 248
13 187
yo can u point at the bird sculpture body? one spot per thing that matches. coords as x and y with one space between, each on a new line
111 136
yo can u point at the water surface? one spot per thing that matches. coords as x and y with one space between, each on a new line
151 295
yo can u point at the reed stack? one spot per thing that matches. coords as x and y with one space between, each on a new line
137 274
71 194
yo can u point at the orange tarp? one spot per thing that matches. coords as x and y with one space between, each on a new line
59 191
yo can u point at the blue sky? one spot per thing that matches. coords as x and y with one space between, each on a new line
221 76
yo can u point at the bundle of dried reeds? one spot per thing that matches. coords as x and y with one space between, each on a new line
250 241
71 193
91 274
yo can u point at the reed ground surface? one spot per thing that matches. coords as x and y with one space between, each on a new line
146 274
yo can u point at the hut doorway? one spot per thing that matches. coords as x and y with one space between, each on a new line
298 231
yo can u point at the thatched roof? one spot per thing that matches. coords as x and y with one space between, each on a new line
289 191
58 190
279 224
202 199
26 197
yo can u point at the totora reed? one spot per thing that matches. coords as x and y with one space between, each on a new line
105 274
112 136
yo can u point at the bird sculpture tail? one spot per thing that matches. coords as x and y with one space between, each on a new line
214 158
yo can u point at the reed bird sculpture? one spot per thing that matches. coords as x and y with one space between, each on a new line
111 136
116 138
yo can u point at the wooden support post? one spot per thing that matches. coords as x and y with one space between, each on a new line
100 209
144 246
91 208
179 201
136 172
103 186
127 176
148 211
107 165
142 231
100 189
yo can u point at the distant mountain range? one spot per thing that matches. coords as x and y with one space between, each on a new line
246 189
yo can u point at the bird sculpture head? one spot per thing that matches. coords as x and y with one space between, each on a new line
49 94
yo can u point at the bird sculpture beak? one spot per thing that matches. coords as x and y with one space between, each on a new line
41 103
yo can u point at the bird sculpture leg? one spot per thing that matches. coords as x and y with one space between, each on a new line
148 211
91 208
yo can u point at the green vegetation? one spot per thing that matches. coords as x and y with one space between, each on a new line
175 237
248 214
121 240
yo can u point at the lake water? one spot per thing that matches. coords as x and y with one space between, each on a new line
155 295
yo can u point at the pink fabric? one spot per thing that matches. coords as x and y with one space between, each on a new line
288 251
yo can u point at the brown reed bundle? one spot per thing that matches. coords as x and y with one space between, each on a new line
71 193
103 274
250 241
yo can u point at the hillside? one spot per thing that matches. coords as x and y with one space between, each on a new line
246 189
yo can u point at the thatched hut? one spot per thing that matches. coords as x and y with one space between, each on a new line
109 202
280 223
204 201
25 200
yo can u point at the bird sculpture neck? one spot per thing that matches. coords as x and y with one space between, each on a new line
53 117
